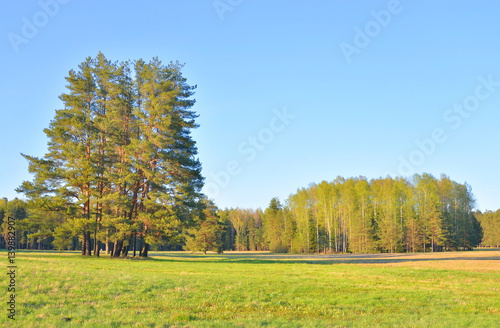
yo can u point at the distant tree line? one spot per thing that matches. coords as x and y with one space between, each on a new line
490 222
352 215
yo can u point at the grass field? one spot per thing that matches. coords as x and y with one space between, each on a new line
460 289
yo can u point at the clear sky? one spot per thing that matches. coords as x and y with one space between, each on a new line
289 92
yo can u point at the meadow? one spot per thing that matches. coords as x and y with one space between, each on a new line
178 289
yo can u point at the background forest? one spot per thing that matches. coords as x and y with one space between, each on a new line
346 215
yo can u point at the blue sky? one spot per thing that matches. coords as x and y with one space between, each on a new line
289 92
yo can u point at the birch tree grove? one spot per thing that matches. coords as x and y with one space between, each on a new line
121 165
490 223
354 215
385 215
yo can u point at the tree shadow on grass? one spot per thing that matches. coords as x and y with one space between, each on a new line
273 258
320 259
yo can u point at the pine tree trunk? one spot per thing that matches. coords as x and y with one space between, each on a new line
125 249
84 243
107 242
97 246
140 246
135 242
117 248
145 249
88 251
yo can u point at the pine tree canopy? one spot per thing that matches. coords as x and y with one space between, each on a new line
121 160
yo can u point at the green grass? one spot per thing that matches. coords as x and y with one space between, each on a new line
255 290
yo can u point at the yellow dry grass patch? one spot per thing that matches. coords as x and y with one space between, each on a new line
475 261
464 265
